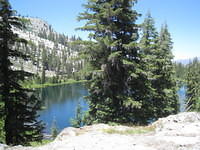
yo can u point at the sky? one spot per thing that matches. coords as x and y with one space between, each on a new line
182 17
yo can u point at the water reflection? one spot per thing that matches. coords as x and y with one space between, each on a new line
60 103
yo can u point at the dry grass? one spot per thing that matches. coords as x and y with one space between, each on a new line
131 131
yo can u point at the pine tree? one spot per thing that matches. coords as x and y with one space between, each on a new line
77 121
118 88
20 105
148 46
181 72
44 63
193 86
149 37
165 100
54 129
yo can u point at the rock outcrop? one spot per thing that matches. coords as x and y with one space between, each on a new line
175 132
60 50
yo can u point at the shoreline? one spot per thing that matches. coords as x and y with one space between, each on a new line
36 86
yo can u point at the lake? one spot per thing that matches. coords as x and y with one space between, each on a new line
60 102
182 96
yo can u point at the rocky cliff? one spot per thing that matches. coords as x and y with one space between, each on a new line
56 53
175 132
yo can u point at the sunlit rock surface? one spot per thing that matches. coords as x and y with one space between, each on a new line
175 132
37 43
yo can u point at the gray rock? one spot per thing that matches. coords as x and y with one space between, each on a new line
3 146
176 132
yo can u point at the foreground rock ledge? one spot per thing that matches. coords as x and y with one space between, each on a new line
175 132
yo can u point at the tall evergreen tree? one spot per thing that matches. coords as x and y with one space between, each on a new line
165 100
181 73
118 89
148 46
149 37
44 64
77 121
20 105
193 86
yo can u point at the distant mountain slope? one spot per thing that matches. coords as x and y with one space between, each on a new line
185 61
49 50
36 25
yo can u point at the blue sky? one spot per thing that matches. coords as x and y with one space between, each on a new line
182 17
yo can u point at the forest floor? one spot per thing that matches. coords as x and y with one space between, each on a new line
175 132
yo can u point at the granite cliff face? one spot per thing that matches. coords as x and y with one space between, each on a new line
60 51
175 132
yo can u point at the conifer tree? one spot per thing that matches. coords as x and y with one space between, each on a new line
157 63
44 64
181 73
20 105
149 37
148 46
118 89
54 129
77 121
165 100
193 86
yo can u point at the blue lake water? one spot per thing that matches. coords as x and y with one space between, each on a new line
181 94
60 103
